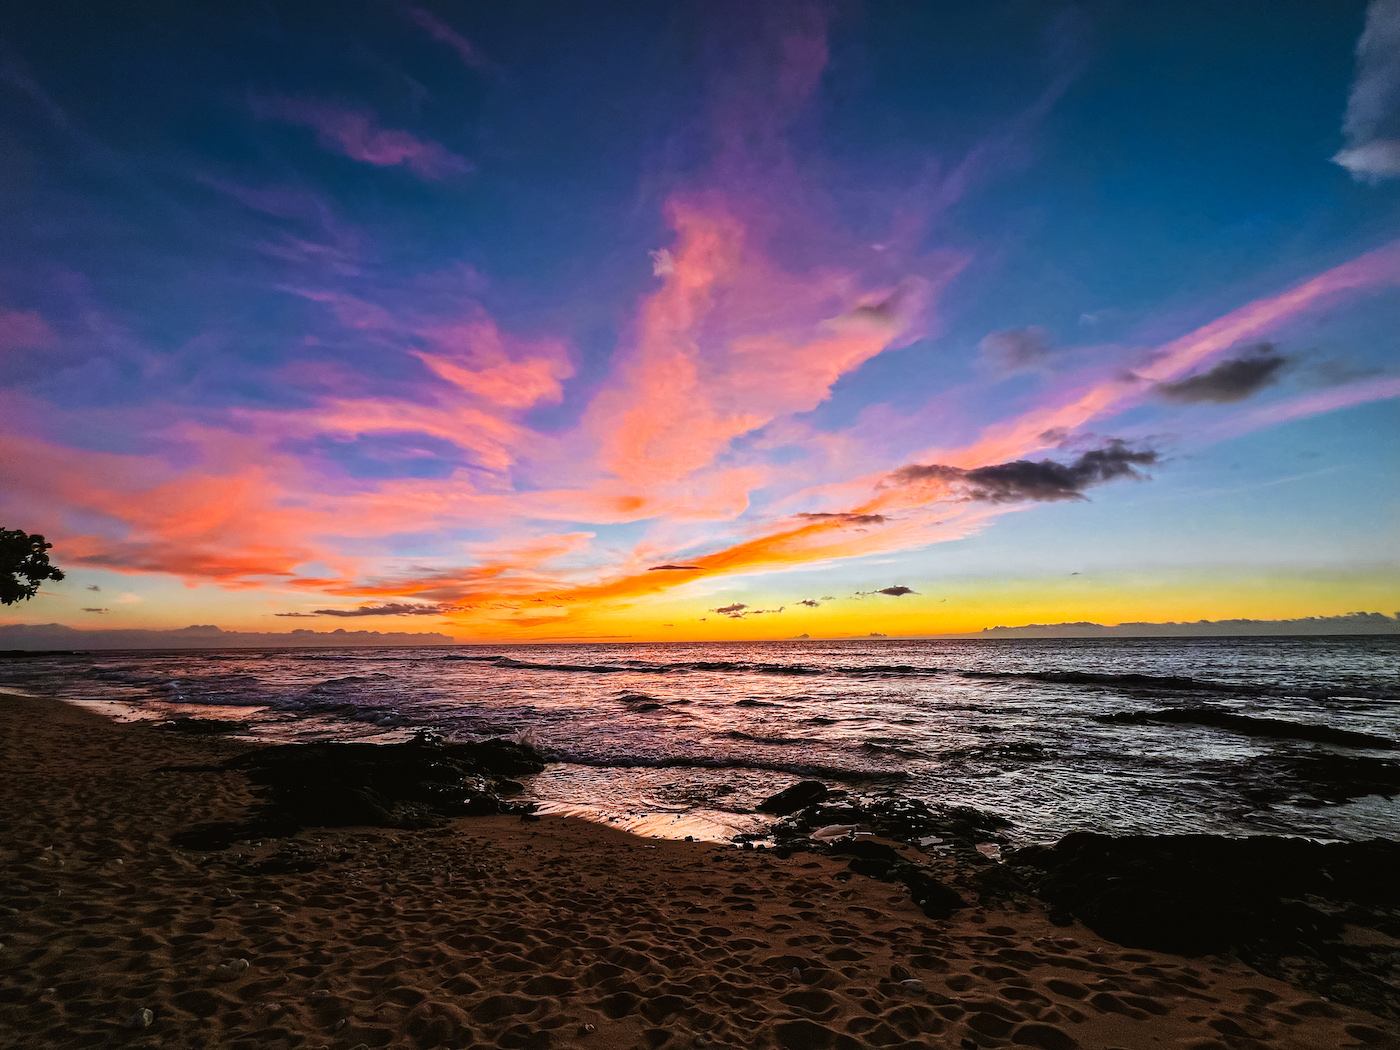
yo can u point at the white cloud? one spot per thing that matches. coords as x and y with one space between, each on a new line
130 599
1372 124
1378 159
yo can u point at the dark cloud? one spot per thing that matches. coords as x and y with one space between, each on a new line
739 610
887 311
388 609
897 591
1042 480
1232 380
1015 348
94 587
846 519
811 603
95 610
678 568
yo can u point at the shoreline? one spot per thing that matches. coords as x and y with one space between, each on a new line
493 931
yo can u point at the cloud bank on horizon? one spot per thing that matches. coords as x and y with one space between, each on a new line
387 315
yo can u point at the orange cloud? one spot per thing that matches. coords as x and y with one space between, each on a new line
729 343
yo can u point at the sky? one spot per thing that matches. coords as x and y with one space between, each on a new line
639 321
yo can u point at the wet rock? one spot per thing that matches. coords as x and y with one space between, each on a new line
907 820
798 796
1250 725
1314 779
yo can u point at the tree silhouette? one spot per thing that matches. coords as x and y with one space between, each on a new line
24 564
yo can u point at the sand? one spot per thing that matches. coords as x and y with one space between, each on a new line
547 933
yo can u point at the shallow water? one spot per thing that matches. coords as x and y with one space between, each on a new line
673 739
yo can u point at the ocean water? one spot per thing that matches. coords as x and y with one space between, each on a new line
1239 736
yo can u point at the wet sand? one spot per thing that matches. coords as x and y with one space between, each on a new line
549 933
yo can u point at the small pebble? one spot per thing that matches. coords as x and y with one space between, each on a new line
913 984
142 1018
586 1029
229 971
340 1024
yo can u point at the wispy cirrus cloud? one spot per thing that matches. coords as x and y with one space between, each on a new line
358 135
445 34
1372 124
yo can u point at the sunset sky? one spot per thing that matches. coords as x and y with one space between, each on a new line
700 320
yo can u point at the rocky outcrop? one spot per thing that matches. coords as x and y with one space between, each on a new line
418 784
1289 907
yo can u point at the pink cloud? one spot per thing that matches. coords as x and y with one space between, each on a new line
24 330
445 34
474 355
1348 396
356 134
730 342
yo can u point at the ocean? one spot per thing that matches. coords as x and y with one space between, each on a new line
1219 735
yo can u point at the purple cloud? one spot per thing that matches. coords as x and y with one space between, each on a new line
445 34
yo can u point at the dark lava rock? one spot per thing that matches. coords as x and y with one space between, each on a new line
894 817
1251 725
865 849
879 861
413 785
937 900
1280 904
1314 779
791 799
202 726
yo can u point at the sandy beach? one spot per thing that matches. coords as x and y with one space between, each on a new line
497 931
